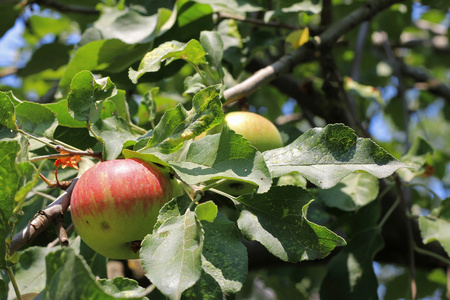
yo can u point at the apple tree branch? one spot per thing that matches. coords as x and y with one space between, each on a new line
307 51
42 220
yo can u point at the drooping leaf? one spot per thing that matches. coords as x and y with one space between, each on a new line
179 125
171 255
350 273
69 277
191 52
113 133
36 118
277 219
353 192
326 155
206 211
224 262
7 111
224 155
87 95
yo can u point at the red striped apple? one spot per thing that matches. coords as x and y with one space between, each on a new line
115 204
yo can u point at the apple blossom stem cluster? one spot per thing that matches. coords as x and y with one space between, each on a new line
43 219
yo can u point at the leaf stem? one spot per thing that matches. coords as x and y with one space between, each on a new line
197 69
139 129
223 194
145 292
389 213
14 282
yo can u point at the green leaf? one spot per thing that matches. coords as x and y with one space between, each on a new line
224 261
63 116
7 111
9 181
213 45
49 56
277 219
29 272
174 208
364 91
69 277
121 287
350 273
417 157
127 25
44 25
224 155
436 229
178 125
109 55
326 155
36 118
113 133
87 95
171 256
206 211
149 106
353 192
191 52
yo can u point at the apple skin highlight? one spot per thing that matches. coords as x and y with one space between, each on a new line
115 204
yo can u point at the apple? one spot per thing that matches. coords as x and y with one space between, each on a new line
259 131
115 204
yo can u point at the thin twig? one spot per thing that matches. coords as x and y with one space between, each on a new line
42 220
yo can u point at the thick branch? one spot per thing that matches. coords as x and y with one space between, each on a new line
42 220
304 53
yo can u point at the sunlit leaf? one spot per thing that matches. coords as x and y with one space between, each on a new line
87 95
277 219
326 155
171 256
179 125
353 192
191 52
224 155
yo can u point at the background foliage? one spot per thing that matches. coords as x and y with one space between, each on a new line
335 215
